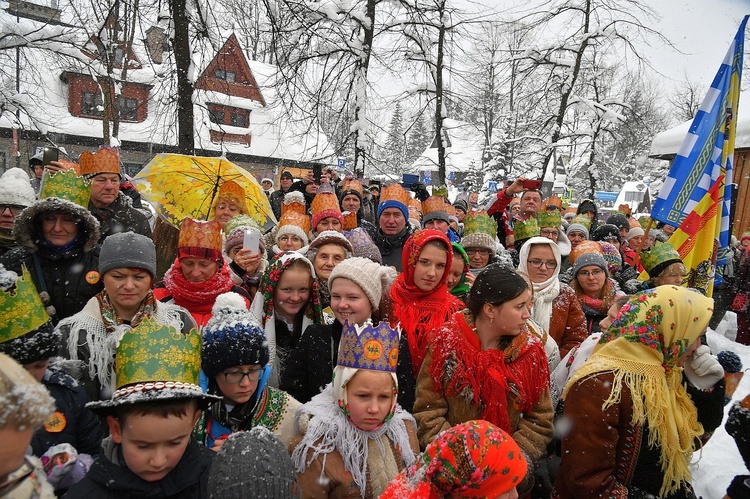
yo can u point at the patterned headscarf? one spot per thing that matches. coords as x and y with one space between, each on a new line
472 459
642 349
271 278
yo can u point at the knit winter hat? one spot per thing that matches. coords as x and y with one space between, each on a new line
232 337
588 259
607 232
612 255
16 189
237 238
619 220
584 247
635 232
366 274
587 205
461 204
26 403
362 245
578 228
331 237
479 240
252 464
127 250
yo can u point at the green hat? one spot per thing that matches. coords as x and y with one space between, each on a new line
155 362
583 220
525 229
240 221
479 222
658 258
65 185
547 219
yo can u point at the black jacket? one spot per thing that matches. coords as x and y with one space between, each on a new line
276 199
189 479
120 216
70 277
72 423
390 246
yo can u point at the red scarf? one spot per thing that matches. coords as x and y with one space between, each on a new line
198 298
421 311
489 373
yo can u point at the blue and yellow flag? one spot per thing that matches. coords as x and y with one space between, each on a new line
707 153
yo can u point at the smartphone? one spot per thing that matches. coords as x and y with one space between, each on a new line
532 184
50 154
317 172
251 241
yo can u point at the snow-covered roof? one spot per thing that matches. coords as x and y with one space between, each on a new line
45 98
466 148
666 144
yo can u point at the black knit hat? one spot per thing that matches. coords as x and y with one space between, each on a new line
252 464
232 337
461 204
619 220
607 232
39 344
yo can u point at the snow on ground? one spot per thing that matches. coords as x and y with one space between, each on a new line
720 461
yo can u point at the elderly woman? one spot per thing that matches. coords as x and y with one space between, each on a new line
593 287
634 420
663 265
327 250
58 245
556 308
127 264
486 362
199 273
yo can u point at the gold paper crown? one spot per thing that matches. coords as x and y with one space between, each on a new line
197 234
449 209
625 209
583 220
296 219
415 205
479 222
549 219
294 201
352 185
105 160
21 309
524 229
432 204
157 353
324 201
230 188
394 192
350 221
372 347
659 253
633 223
585 247
65 185
552 201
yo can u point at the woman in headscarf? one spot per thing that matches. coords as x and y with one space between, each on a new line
556 308
633 420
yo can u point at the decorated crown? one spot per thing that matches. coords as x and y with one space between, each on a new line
449 209
585 247
230 188
643 221
552 201
294 201
479 222
441 192
350 220
351 185
583 220
65 185
155 356
198 234
395 192
433 204
415 205
105 160
240 221
658 254
372 347
549 219
298 220
22 309
524 229
324 202
625 209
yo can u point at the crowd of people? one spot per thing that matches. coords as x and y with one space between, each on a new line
377 342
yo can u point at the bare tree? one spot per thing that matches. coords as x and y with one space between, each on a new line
687 98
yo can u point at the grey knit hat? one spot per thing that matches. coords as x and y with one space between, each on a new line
588 259
578 228
127 250
479 240
252 464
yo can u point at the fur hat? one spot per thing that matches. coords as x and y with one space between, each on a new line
232 337
607 232
127 250
578 228
26 403
479 240
268 472
16 189
588 259
366 274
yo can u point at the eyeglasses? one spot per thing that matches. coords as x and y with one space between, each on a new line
595 273
481 251
14 208
235 377
537 264
684 277
548 232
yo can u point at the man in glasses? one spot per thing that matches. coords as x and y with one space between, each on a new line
16 194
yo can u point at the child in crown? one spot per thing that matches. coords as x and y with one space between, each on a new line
353 438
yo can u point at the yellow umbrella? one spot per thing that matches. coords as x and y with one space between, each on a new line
180 186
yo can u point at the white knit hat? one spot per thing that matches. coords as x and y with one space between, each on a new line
366 274
15 188
635 232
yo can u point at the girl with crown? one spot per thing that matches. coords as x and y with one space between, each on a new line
353 437
487 363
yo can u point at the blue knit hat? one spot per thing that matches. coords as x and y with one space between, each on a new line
232 337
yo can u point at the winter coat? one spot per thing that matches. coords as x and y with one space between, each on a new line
120 216
568 323
71 422
71 277
390 246
276 199
162 294
309 367
615 459
368 209
107 478
337 482
86 329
